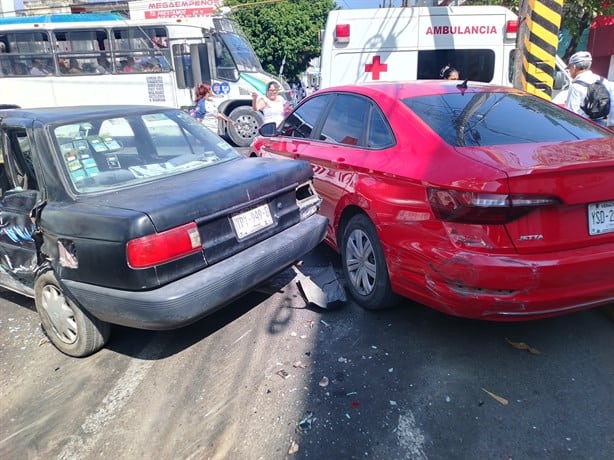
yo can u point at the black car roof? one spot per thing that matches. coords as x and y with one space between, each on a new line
61 114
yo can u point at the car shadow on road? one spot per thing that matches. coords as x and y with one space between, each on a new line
131 342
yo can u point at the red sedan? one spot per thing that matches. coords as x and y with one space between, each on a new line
479 201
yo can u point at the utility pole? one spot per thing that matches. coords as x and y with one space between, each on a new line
522 33
537 40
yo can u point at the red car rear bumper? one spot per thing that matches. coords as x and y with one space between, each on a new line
507 287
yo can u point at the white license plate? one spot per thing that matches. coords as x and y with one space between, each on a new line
601 218
249 222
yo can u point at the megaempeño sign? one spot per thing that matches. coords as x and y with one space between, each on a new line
143 9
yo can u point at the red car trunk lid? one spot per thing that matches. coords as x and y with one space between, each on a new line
580 174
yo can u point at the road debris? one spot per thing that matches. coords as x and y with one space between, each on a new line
283 374
523 346
322 289
306 423
497 398
299 365
293 448
323 382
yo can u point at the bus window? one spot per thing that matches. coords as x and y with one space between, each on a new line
242 53
80 40
225 66
5 66
79 51
27 42
26 53
141 49
183 66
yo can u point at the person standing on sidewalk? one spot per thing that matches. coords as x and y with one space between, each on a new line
272 105
579 66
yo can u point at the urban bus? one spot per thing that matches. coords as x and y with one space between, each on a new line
100 59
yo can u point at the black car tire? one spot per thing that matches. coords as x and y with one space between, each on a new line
364 265
244 127
70 328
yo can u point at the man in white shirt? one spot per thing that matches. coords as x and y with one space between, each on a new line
580 70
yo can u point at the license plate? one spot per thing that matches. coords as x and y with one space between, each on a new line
249 222
601 218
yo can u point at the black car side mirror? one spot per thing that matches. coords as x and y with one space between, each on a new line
268 129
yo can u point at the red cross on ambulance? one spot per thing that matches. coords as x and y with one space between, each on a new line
376 67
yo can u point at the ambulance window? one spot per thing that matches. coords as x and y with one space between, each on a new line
474 65
346 121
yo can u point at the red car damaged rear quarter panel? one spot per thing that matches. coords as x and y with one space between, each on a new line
538 265
423 255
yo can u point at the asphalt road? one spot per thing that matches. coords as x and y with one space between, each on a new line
271 378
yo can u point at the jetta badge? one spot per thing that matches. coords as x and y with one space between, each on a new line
531 237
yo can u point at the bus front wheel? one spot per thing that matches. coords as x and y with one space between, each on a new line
244 127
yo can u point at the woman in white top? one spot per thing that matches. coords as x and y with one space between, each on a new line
272 105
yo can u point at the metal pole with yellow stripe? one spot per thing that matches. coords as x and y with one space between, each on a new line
540 45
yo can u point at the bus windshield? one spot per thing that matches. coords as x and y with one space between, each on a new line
242 52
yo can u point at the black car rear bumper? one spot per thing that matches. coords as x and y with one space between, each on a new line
195 296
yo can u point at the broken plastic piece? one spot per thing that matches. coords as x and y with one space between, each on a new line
323 289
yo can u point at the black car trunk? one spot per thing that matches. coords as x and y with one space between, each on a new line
210 200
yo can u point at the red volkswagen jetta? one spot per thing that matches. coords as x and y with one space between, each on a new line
477 200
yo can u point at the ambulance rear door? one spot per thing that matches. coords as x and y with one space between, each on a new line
477 41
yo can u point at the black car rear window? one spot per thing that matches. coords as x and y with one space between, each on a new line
482 119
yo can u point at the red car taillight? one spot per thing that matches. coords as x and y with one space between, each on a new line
151 250
483 208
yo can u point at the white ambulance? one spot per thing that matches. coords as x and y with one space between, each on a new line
391 44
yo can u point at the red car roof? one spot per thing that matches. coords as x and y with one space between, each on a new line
404 89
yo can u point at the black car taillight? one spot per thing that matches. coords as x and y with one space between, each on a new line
159 248
483 208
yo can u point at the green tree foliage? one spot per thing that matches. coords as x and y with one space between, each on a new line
577 15
287 28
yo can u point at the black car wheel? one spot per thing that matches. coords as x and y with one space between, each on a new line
71 329
364 265
245 126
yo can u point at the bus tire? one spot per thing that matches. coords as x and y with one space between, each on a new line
244 127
